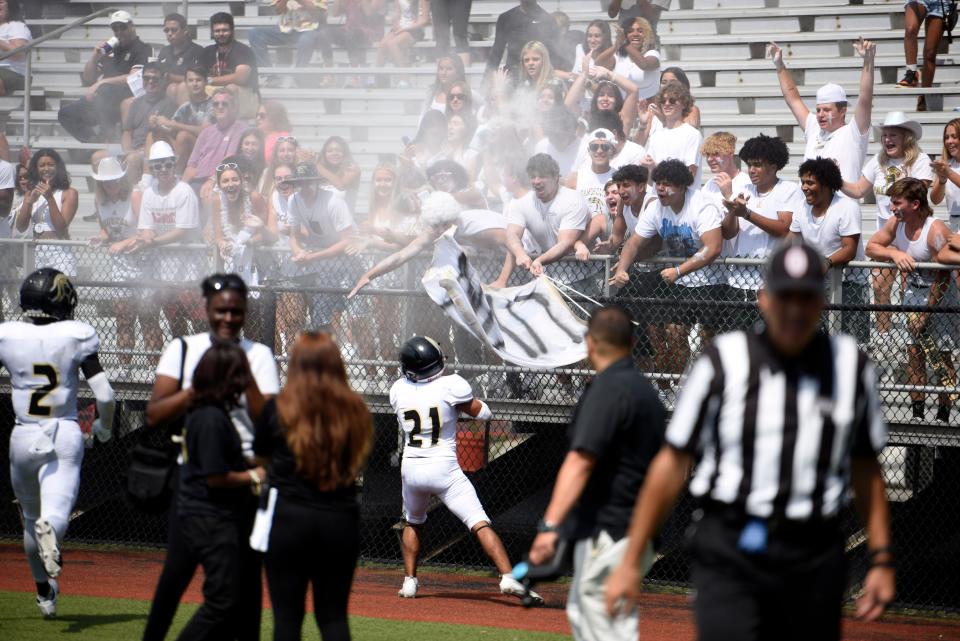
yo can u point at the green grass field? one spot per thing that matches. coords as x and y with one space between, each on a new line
82 618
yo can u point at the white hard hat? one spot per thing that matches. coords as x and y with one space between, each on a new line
160 150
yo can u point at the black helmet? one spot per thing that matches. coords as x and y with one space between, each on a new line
420 358
48 293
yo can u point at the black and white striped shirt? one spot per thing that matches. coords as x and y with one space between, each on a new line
774 436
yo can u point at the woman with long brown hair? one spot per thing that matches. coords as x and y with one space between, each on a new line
316 436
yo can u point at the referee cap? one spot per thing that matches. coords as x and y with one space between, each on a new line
795 267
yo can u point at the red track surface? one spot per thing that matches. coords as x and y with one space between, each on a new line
448 598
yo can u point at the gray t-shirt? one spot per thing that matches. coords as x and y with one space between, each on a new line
138 117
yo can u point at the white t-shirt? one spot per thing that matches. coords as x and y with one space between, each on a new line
8 177
15 30
544 221
427 413
711 190
893 170
846 145
753 242
118 219
647 80
566 157
471 222
324 219
680 143
842 218
953 199
681 232
262 366
590 185
177 209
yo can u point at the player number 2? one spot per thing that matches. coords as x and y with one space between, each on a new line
50 373
414 417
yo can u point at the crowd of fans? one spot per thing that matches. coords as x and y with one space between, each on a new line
574 143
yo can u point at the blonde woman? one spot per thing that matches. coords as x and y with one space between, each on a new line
946 183
536 69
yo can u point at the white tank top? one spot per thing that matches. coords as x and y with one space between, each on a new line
918 249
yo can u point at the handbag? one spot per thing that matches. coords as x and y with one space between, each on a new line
950 14
153 461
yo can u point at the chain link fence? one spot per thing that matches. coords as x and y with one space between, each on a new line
138 303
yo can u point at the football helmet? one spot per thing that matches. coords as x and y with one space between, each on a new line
48 293
420 358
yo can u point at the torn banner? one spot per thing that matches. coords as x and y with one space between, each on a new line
529 325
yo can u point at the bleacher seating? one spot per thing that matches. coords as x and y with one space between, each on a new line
719 43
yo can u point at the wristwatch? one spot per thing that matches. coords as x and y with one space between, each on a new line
546 526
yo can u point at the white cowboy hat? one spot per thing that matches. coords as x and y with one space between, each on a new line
108 169
899 119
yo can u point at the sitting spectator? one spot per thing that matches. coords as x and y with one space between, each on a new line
676 74
687 224
719 150
634 57
456 14
142 126
189 119
427 146
449 71
239 217
298 25
555 216
232 65
408 20
215 142
674 138
180 54
21 189
460 130
459 99
516 27
914 236
48 208
362 26
567 40
251 149
827 133
13 34
947 170
94 118
273 122
561 141
930 14
830 223
336 166
287 151
648 9
758 215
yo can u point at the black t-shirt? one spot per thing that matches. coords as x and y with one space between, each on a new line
516 27
178 63
211 447
123 59
619 420
270 442
218 64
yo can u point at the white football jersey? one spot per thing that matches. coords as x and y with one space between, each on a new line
43 362
428 414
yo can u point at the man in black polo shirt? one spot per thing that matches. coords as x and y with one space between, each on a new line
94 118
180 54
231 64
616 431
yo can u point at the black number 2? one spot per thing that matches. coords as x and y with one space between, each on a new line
50 372
414 417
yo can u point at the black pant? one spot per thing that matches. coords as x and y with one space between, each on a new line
316 545
82 118
447 13
793 591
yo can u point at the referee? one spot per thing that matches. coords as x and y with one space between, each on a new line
780 422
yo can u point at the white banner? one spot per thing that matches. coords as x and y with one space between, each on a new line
529 326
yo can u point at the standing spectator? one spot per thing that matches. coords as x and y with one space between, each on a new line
291 308
336 166
633 55
828 134
232 65
778 425
536 70
719 150
757 217
930 14
94 118
180 54
947 168
916 236
515 28
552 214
455 14
286 151
616 431
250 150
408 19
449 70
626 152
48 209
596 40
459 99
561 141
830 223
239 218
676 74
298 25
316 437
674 139
216 142
274 123
216 495
13 34
590 180
190 118
648 9
460 129
11 191
362 27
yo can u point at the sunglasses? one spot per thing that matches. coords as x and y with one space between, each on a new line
227 165
150 79
171 29
596 146
222 103
286 139
457 96
162 165
671 101
117 28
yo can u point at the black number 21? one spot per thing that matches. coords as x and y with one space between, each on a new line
50 372
417 420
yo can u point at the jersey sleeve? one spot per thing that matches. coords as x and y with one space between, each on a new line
169 364
457 391
88 343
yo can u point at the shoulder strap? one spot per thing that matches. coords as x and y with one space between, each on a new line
183 361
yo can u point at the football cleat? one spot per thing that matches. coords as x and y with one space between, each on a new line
48 604
49 549
409 589
512 587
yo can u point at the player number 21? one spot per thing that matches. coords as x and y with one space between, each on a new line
50 373
417 420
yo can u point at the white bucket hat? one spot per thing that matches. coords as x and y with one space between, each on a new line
899 119
831 92
108 169
160 150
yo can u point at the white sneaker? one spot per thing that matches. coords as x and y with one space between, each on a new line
48 605
409 589
509 585
49 550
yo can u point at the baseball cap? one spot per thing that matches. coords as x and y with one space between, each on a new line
121 17
602 135
795 267
304 172
831 92
160 150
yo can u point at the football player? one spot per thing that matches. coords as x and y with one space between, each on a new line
427 405
43 353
